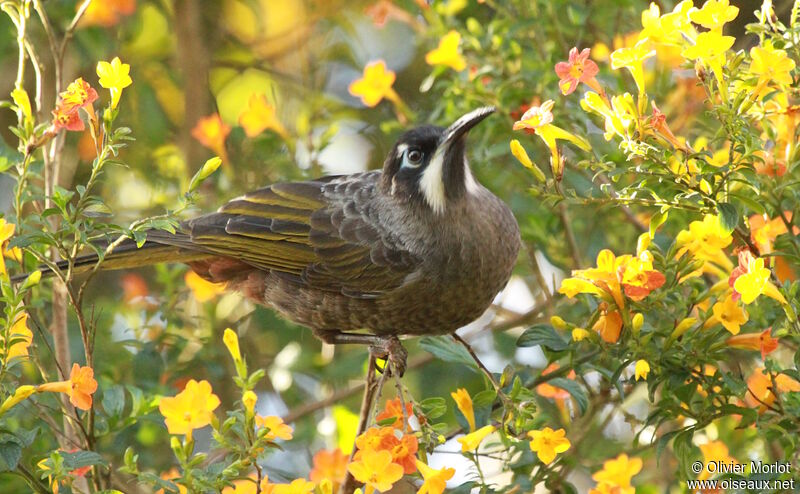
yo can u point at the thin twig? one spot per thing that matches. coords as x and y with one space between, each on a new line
573 245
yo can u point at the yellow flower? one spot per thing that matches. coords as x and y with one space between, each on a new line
190 409
667 29
618 472
710 48
539 119
435 481
260 116
249 400
19 331
20 394
375 84
752 283
714 451
771 65
231 341
547 443
80 387
522 156
464 404
579 334
277 429
202 290
641 369
330 465
633 60
447 53
297 486
714 14
619 117
728 313
376 470
705 240
114 76
471 441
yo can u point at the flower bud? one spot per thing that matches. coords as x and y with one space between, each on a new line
558 323
580 334
249 400
636 322
231 341
208 168
32 280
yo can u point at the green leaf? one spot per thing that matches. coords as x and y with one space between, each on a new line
575 390
433 408
728 216
10 454
114 400
657 220
485 398
543 335
682 447
80 459
444 348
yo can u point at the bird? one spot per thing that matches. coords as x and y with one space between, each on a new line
419 247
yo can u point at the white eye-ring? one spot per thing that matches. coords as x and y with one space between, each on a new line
412 158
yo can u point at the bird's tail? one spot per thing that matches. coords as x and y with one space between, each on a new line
128 255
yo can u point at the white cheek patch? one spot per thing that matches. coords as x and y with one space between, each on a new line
431 183
469 180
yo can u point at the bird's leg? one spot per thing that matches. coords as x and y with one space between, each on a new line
384 347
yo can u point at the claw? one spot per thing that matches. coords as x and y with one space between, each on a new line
392 350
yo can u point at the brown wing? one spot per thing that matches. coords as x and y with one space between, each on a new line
323 234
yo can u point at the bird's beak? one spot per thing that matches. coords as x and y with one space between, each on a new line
463 125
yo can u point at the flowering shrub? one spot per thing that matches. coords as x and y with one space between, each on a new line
659 324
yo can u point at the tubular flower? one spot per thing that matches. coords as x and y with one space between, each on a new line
394 408
641 369
547 390
259 116
231 341
714 14
447 53
539 119
771 66
375 84
277 429
619 116
667 29
114 76
751 279
68 120
761 389
297 486
464 404
728 313
547 443
6 232
331 465
634 275
633 60
658 122
609 324
519 152
211 132
107 13
376 470
79 94
434 481
705 240
22 334
763 342
80 387
471 441
578 69
190 409
403 448
618 472
714 451
764 231
710 48
202 289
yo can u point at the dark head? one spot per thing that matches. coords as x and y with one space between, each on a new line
429 164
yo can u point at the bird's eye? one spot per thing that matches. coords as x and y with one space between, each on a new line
414 156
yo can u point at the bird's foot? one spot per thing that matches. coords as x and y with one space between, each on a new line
392 350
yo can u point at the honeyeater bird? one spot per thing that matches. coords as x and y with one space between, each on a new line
418 248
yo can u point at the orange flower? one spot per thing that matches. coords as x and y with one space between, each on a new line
375 84
79 94
277 429
134 288
259 116
376 470
764 231
609 324
547 390
172 475
464 404
762 341
190 409
618 472
107 13
578 69
331 465
394 408
714 451
80 387
761 391
202 289
211 132
403 449
68 120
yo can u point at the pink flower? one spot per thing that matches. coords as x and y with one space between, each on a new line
578 69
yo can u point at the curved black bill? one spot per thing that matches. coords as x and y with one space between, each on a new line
463 125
